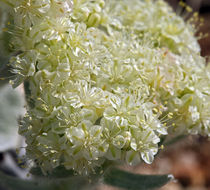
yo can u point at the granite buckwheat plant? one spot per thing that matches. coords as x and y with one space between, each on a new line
106 79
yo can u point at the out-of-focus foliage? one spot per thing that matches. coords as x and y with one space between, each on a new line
11 108
5 35
59 181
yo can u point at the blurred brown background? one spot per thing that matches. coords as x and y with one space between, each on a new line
189 159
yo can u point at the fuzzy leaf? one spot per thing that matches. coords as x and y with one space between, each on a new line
73 183
125 180
11 104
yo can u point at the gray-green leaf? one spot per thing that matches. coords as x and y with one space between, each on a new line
73 183
11 107
129 181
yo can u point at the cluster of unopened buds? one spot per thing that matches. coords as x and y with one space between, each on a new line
107 79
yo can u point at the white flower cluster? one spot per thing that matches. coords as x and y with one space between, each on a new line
107 79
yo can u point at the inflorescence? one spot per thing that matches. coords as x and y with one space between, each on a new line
107 79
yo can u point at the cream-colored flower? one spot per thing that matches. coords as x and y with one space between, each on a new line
106 79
